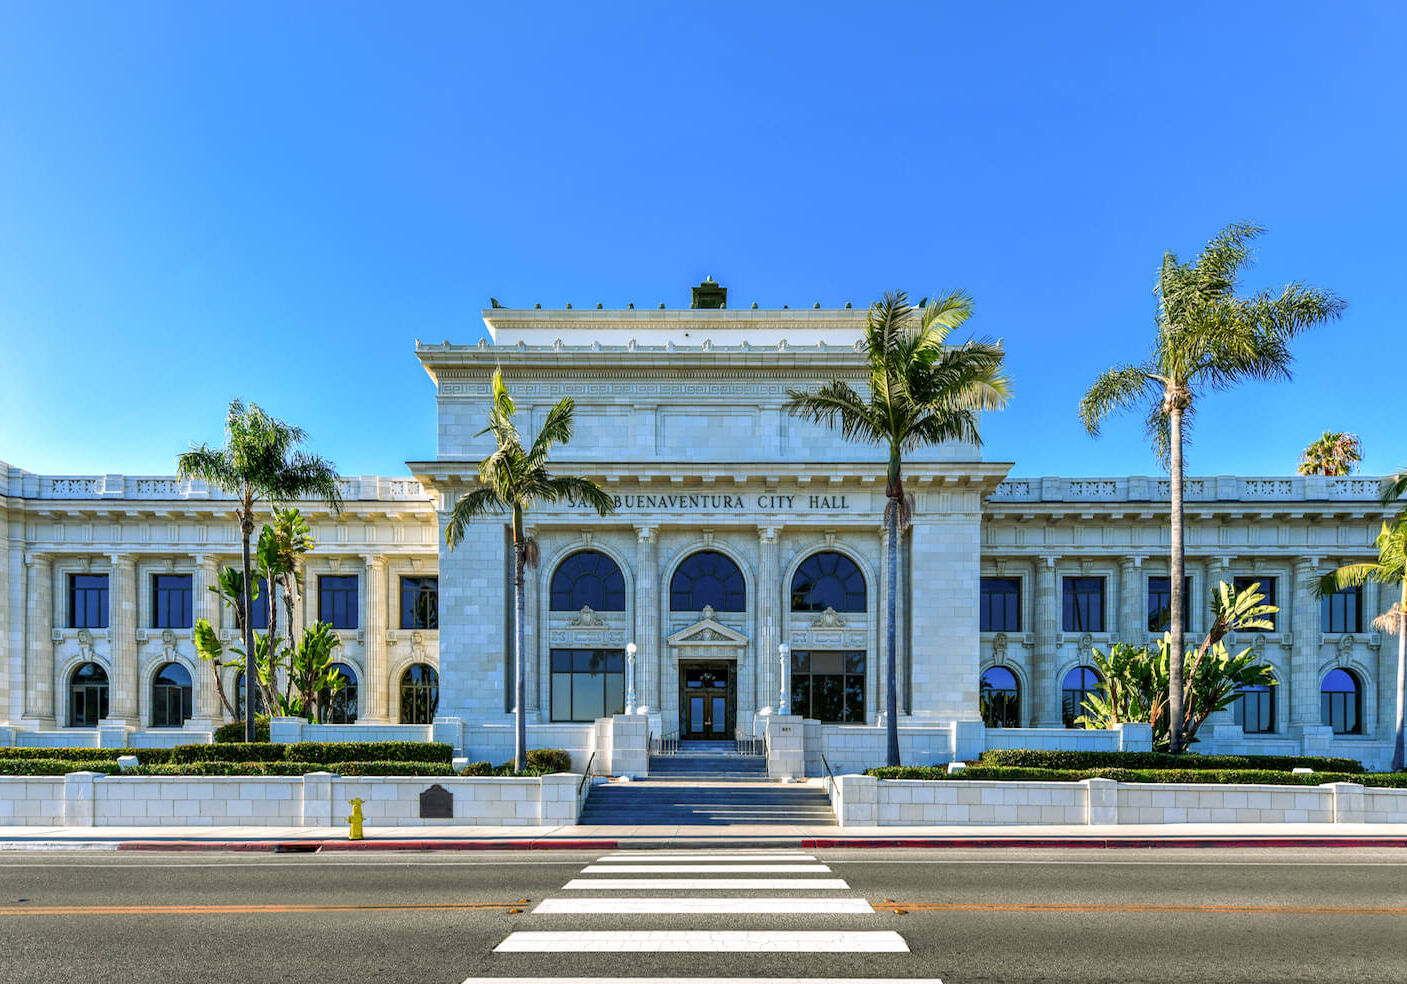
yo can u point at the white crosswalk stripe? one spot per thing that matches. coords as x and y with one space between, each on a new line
653 872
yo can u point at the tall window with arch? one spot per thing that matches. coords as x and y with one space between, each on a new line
340 706
420 694
828 580
1341 702
87 696
1078 684
707 579
587 579
1000 698
171 694
1254 709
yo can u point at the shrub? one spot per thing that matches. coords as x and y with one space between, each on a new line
357 769
145 755
477 769
231 769
1200 776
370 751
234 731
1041 759
229 752
55 766
549 760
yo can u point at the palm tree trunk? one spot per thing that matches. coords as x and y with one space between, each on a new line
1397 739
246 529
520 727
891 694
1175 614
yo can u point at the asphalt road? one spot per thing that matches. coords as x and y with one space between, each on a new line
965 916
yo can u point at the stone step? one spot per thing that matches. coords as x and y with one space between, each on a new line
683 803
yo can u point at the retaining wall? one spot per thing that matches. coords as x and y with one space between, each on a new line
318 799
866 801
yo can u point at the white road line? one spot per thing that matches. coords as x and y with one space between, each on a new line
628 869
703 941
704 884
702 980
662 858
710 906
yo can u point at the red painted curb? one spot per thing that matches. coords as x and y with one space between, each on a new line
1099 842
469 845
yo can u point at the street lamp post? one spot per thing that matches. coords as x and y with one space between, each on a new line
630 678
784 677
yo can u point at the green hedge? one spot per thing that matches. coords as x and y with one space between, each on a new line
549 760
1203 776
240 751
1037 759
145 755
234 731
54 766
290 768
370 751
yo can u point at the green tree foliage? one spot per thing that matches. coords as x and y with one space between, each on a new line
261 461
1136 680
1206 339
512 480
1390 568
1336 453
922 392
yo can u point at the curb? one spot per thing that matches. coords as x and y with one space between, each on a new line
696 843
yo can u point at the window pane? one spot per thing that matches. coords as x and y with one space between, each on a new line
1267 588
828 580
588 696
1000 607
337 600
707 578
561 696
420 602
588 579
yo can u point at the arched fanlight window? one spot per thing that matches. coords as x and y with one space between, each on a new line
87 696
171 696
1000 698
828 580
1341 702
420 694
340 706
1078 684
588 579
1254 709
707 579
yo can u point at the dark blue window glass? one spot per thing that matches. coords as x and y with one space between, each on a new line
1000 605
707 578
827 580
588 579
1078 684
1341 702
1000 698
171 601
337 600
87 601
420 602
1083 599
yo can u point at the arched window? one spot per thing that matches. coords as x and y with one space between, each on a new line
588 578
1254 709
259 709
420 694
1078 684
340 706
1000 698
707 578
1341 702
170 696
827 580
87 696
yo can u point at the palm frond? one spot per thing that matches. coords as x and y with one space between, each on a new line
556 429
1115 390
837 404
475 504
579 490
1394 488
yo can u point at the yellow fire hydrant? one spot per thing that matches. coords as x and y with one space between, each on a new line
355 820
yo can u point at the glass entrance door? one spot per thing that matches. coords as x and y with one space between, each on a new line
706 700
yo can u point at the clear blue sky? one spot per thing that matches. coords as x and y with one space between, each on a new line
274 201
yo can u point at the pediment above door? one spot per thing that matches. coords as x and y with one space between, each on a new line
707 631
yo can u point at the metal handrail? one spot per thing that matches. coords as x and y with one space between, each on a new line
665 744
586 774
750 745
830 776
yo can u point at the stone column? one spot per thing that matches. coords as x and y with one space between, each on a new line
769 617
1133 615
39 646
1301 617
372 695
124 700
1045 702
650 661
206 605
534 638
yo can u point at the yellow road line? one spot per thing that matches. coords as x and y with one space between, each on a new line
143 910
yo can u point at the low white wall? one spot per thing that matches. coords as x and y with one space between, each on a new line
866 801
31 801
320 799
1054 739
856 747
493 743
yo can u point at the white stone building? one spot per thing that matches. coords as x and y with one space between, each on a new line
738 529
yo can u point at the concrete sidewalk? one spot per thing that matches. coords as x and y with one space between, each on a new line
449 837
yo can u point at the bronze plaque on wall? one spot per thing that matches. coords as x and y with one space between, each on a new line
437 803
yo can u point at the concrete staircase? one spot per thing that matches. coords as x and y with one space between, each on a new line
707 784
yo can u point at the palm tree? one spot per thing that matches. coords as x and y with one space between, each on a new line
1336 453
513 479
922 392
1207 339
1394 488
1389 569
261 461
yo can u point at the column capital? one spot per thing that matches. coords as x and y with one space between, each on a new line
1131 560
644 533
34 558
374 561
1050 560
1305 566
767 534
124 561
